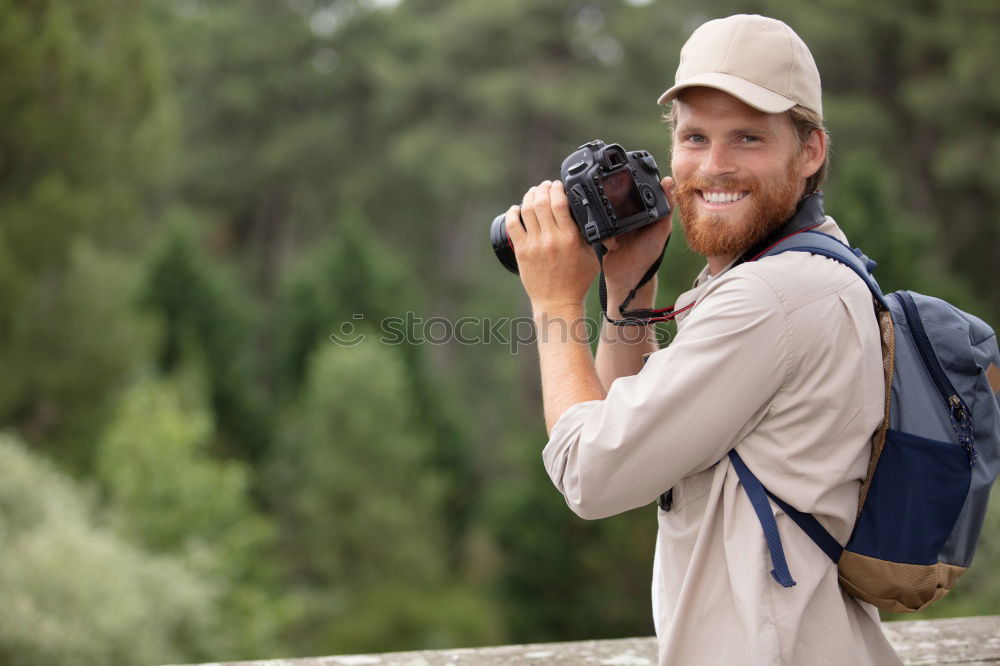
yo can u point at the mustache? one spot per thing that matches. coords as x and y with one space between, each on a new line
690 185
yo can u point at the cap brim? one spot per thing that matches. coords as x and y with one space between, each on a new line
747 92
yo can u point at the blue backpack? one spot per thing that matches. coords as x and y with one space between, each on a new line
934 457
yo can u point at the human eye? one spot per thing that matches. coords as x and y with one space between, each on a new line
694 138
749 138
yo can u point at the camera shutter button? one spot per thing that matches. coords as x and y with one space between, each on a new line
576 168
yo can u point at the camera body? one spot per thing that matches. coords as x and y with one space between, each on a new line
610 191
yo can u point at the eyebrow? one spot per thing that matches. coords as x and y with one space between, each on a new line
749 130
740 131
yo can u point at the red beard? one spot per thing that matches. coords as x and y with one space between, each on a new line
721 235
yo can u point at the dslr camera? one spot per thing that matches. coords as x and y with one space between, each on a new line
611 192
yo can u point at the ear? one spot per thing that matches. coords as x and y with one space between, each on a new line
813 153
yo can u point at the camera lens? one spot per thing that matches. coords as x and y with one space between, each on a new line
501 243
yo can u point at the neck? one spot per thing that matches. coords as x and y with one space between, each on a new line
717 263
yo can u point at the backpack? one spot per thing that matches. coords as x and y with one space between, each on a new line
934 457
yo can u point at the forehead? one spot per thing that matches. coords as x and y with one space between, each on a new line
708 108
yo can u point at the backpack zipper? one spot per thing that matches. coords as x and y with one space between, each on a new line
961 418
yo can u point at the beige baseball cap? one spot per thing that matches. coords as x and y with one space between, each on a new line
756 59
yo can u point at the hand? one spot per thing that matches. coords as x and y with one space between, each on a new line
630 255
556 264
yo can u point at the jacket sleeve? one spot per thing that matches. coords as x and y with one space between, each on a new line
690 404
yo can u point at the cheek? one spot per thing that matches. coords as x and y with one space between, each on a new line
772 167
680 165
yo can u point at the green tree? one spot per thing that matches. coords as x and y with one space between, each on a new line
866 207
207 318
86 132
266 131
361 511
169 494
559 576
75 592
355 279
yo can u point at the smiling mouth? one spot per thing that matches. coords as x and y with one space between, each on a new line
722 197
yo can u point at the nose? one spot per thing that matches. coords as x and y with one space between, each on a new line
718 160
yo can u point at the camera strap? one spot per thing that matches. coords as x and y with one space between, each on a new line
640 317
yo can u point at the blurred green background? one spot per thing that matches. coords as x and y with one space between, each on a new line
195 194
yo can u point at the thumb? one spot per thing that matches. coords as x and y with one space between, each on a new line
668 190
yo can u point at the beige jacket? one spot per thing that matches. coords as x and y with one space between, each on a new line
779 358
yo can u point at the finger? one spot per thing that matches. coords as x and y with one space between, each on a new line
528 213
560 208
543 209
515 228
668 190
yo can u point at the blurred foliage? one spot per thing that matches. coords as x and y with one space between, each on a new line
353 279
171 496
74 591
195 196
88 122
206 316
553 557
362 514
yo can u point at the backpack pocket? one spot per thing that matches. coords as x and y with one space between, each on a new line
892 558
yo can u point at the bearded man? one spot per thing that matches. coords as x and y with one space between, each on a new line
777 358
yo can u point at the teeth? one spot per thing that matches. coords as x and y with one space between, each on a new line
723 197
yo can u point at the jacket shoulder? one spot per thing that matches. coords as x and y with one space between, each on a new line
799 278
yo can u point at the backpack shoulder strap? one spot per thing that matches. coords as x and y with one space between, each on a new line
816 242
758 494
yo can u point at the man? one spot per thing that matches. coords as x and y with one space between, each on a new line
778 358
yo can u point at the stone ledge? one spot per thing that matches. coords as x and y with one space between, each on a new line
970 641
